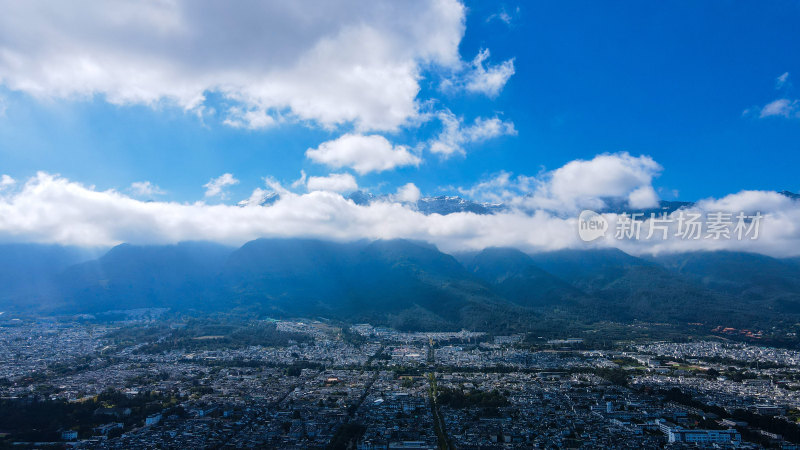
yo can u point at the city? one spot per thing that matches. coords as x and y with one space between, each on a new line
125 385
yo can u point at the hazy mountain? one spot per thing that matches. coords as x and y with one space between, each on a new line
28 271
130 276
515 276
624 287
795 262
289 274
587 269
404 283
752 278
407 284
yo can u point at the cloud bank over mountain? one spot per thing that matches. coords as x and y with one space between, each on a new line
540 214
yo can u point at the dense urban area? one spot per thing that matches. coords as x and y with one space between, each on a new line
152 381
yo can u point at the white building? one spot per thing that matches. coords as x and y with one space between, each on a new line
152 420
69 435
679 434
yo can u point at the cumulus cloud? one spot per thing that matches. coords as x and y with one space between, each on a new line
579 184
455 135
364 154
252 119
145 189
335 182
327 62
748 201
407 193
52 209
502 187
643 197
775 229
55 210
605 176
6 181
216 186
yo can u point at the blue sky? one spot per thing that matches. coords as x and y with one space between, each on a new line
136 111
669 81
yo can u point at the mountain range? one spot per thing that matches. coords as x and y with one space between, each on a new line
453 204
406 284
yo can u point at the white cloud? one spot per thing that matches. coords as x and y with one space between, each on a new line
327 62
6 181
782 107
608 175
252 119
363 154
145 189
51 209
782 80
488 80
502 188
578 184
407 193
454 135
777 228
335 182
300 181
643 197
258 197
274 190
216 186
55 210
478 77
748 201
502 16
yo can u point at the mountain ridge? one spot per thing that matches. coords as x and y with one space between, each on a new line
413 285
